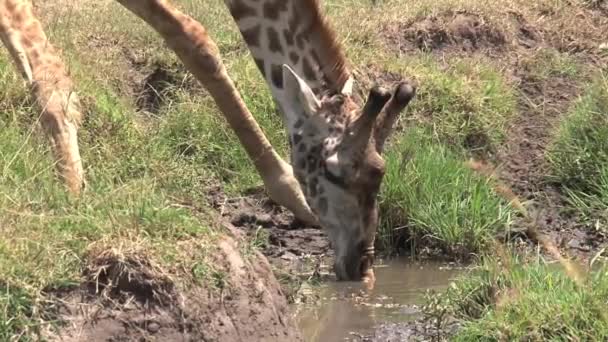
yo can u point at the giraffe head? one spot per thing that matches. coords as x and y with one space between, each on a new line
336 148
336 144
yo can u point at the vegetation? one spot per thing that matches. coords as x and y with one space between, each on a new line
151 155
430 192
512 299
579 154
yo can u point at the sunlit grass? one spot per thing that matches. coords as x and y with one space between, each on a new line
429 193
579 154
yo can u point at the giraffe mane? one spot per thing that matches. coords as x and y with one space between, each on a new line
332 60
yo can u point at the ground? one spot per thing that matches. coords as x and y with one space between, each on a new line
173 209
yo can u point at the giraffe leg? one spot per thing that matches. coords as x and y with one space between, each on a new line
189 40
50 85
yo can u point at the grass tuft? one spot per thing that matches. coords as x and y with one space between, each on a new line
514 300
579 153
430 192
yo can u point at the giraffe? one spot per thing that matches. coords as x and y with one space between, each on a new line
336 142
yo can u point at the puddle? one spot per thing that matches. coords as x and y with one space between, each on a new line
344 311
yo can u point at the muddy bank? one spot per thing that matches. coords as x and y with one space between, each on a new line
125 297
507 32
419 330
274 230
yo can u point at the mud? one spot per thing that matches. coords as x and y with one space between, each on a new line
280 236
465 32
448 31
157 84
419 330
127 298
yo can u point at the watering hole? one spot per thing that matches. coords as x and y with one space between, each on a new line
346 311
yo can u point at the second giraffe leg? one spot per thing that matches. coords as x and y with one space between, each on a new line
50 84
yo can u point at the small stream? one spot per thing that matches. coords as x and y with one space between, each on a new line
345 311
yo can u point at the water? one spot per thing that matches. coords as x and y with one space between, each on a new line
347 310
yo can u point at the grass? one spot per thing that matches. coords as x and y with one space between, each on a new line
136 183
517 300
146 171
465 102
579 154
430 192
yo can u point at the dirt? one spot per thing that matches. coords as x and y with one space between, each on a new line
578 32
156 84
127 298
523 167
449 31
282 238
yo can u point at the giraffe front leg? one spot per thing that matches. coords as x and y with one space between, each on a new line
51 87
60 120
199 53
283 188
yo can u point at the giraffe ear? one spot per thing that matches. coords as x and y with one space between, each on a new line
300 97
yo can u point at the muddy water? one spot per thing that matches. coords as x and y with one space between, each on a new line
345 311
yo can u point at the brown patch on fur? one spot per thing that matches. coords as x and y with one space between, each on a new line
288 35
272 9
252 36
294 57
274 43
260 64
302 163
240 10
309 72
276 76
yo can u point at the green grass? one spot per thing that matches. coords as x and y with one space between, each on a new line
15 312
429 192
147 176
579 154
136 183
513 300
467 103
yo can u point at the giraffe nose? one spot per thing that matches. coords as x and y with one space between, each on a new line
357 265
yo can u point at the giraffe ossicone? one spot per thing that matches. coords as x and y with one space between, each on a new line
336 143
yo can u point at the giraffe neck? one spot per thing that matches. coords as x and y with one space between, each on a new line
295 33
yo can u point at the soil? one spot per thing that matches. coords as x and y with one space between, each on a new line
283 239
126 298
523 166
447 32
157 84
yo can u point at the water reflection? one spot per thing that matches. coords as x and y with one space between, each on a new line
346 310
